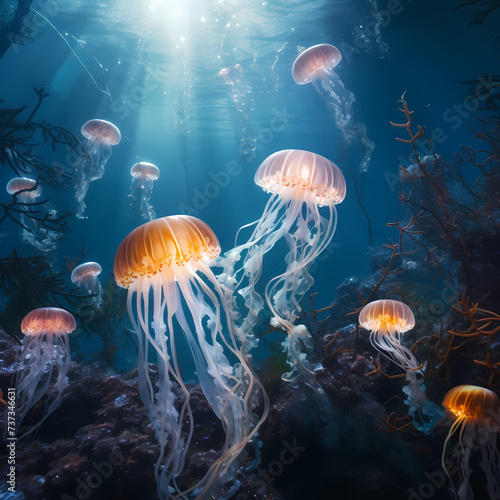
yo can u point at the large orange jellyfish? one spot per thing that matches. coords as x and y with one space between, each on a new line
101 135
143 176
172 292
32 229
315 65
476 415
388 321
300 182
46 351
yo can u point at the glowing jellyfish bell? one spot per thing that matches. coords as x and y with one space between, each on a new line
33 230
19 185
476 415
101 135
46 351
86 276
164 266
143 177
315 65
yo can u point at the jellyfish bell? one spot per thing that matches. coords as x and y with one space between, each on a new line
314 62
316 65
86 276
101 135
26 186
46 351
145 171
163 264
475 412
101 131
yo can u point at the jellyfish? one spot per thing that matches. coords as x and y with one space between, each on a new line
33 223
86 276
388 320
300 182
315 65
143 176
239 92
476 415
101 135
45 351
172 293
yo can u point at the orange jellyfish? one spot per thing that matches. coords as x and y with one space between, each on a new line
172 293
101 135
32 229
86 276
476 415
300 183
388 321
315 65
46 351
143 176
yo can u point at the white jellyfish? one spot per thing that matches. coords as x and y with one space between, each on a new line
46 352
239 92
34 223
143 176
315 65
86 276
101 135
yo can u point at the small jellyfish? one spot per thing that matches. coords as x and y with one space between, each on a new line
315 65
388 320
86 276
143 176
239 93
476 415
230 75
46 352
34 228
101 135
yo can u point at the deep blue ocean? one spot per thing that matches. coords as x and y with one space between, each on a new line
151 68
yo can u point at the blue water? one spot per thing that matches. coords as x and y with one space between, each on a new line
142 64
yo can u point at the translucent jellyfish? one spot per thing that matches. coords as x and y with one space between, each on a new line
143 176
45 352
388 321
101 135
33 227
300 182
172 293
476 415
315 65
239 93
86 276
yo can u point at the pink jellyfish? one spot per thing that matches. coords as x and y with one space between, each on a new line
86 276
143 176
101 135
300 182
315 65
46 351
31 221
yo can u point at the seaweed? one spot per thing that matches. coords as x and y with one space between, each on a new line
27 283
20 140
